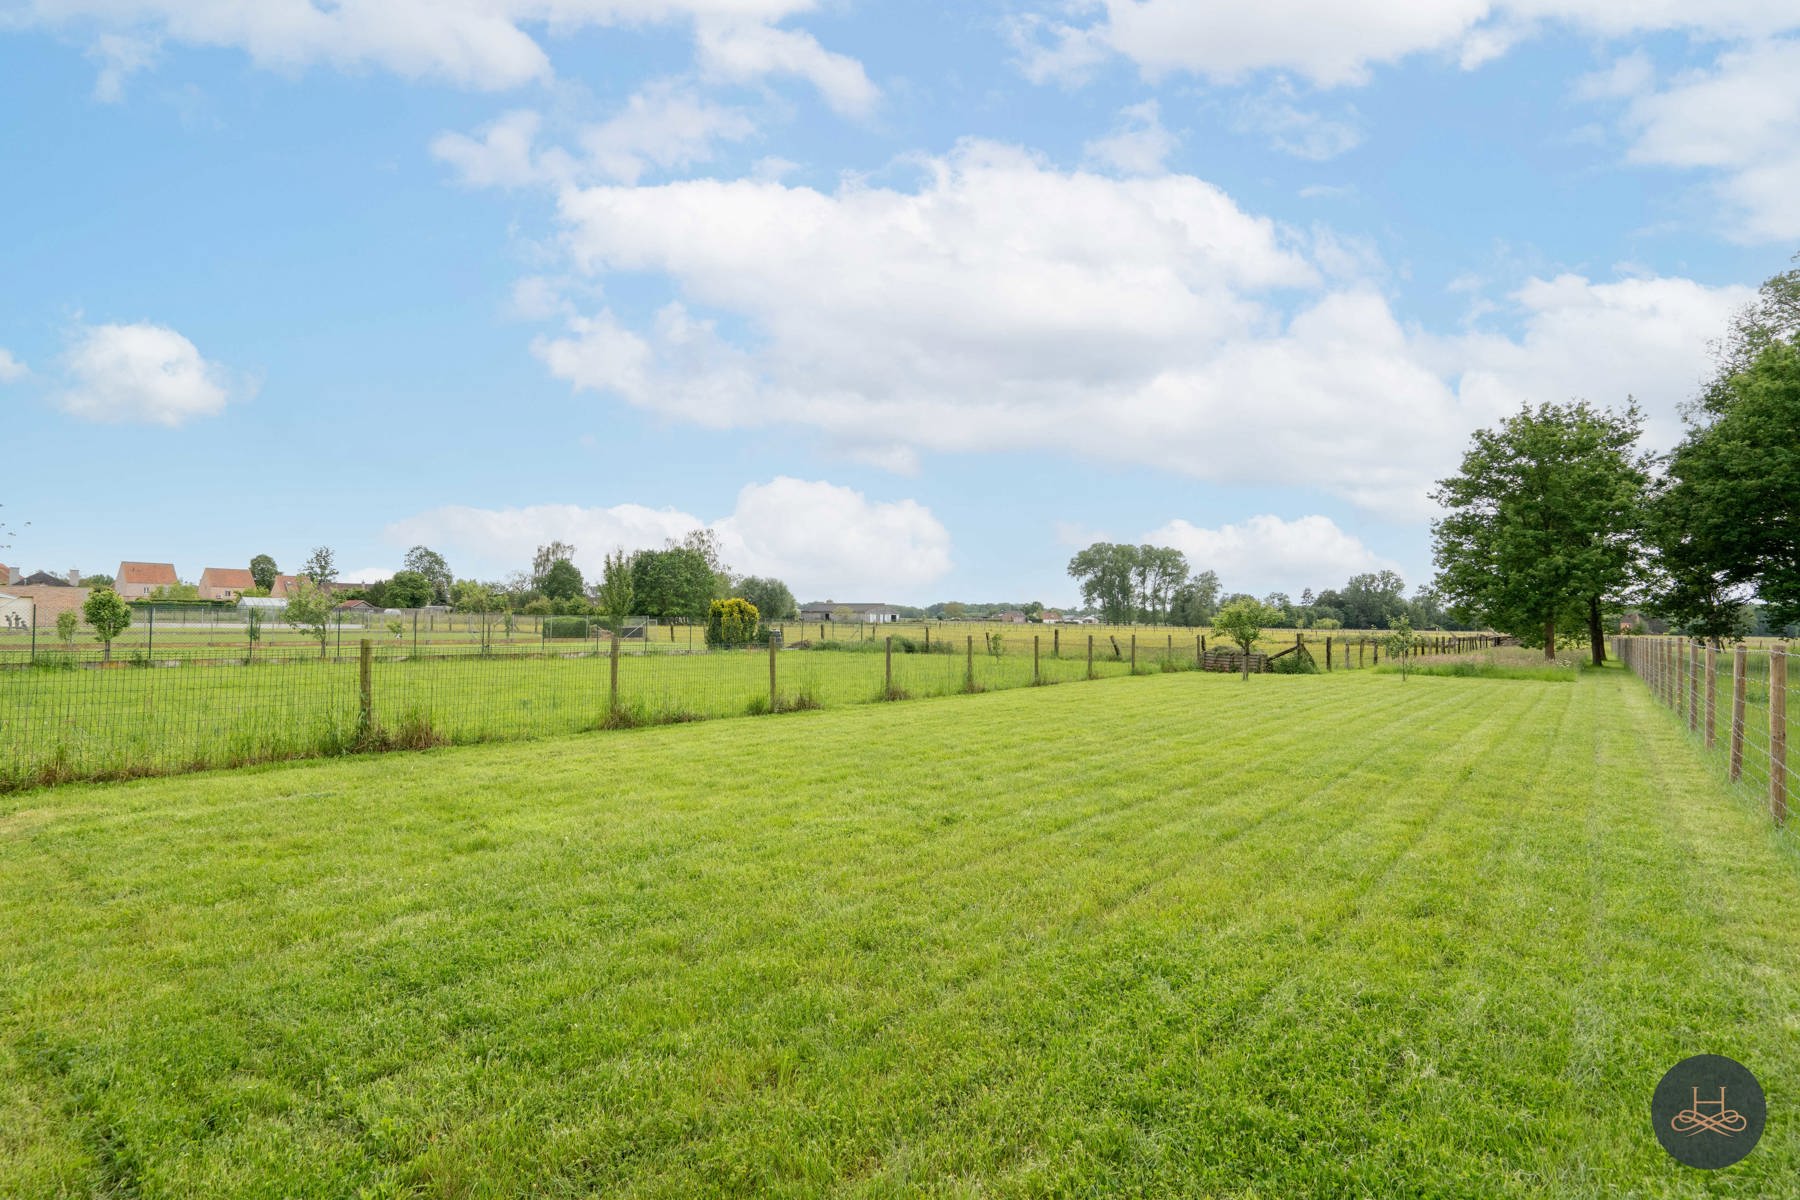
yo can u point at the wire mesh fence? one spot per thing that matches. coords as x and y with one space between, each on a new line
1734 703
84 713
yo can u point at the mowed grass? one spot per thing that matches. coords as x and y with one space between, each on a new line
1296 937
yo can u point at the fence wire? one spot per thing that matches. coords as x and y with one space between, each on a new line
1735 701
169 705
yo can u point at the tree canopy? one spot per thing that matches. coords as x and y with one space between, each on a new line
1543 521
428 563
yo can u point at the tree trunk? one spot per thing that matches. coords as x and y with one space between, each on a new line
1549 639
106 650
1596 638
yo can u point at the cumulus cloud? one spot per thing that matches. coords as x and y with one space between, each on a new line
819 537
1331 44
1268 553
1130 320
11 369
142 373
480 45
1644 337
1741 117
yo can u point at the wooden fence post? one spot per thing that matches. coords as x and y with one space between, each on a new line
890 667
1090 656
1328 652
1036 675
774 696
1056 642
1712 702
1134 654
928 639
1778 787
365 720
1736 759
1693 687
969 679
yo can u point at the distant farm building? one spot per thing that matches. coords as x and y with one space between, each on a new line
867 614
46 579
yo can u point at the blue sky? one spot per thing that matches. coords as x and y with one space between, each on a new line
906 301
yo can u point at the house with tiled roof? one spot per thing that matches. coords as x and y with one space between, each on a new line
225 583
136 580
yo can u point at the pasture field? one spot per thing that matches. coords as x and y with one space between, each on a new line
461 634
90 724
1297 937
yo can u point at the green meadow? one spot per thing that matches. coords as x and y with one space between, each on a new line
1321 936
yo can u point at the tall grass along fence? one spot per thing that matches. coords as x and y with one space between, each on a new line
72 716
1734 702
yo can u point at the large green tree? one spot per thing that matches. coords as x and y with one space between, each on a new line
1108 574
1726 517
320 566
562 581
1543 521
770 596
409 589
263 572
1194 602
429 563
672 584
545 558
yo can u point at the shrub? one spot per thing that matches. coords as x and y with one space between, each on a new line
731 622
567 627
1300 662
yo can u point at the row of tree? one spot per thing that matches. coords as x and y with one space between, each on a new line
1156 585
1558 521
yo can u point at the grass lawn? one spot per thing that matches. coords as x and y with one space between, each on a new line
1305 936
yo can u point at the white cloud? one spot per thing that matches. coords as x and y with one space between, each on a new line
1741 118
501 156
11 369
472 43
1331 43
818 537
662 126
1138 145
1644 337
142 373
1293 130
740 51
367 574
1141 321
1270 554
